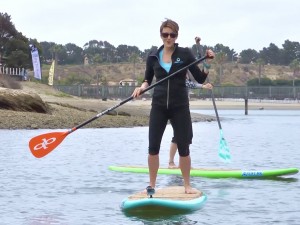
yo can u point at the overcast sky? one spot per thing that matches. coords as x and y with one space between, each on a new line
238 24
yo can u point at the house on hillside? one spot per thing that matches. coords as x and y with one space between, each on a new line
86 60
128 82
112 83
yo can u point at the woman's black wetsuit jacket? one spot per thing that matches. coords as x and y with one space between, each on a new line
172 92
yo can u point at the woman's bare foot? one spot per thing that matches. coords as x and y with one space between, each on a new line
172 165
190 190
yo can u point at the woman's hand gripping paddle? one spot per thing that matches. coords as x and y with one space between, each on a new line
223 152
43 144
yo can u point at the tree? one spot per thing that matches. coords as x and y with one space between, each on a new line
7 31
108 52
47 55
260 63
13 45
226 50
271 54
92 48
97 59
74 54
133 58
105 50
247 56
290 52
220 59
59 53
295 66
122 52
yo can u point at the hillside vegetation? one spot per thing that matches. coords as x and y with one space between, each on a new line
232 73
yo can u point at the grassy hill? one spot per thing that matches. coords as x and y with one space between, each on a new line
233 73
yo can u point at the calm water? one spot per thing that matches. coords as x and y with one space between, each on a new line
72 184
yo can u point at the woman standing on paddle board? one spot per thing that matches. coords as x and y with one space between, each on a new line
170 99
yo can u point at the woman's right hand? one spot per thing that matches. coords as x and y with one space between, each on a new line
137 92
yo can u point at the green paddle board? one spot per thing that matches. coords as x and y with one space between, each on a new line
213 173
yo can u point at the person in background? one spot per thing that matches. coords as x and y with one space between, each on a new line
192 85
173 145
170 100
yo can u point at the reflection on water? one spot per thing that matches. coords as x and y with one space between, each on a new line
162 220
72 185
157 216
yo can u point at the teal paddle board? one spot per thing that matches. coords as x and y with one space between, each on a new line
213 173
168 200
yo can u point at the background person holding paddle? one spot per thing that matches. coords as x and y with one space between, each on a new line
189 84
170 99
173 145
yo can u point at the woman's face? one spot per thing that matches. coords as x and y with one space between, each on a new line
168 37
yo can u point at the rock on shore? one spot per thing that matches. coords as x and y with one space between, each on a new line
19 100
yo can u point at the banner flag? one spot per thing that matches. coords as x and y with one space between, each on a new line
51 73
36 62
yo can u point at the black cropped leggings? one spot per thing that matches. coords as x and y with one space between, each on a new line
180 119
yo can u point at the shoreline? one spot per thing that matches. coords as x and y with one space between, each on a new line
68 112
225 104
238 104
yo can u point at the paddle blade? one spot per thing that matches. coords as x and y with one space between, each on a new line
42 144
224 152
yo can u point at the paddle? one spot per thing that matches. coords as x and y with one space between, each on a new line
223 151
43 144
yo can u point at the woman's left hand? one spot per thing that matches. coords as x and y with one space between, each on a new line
207 86
210 55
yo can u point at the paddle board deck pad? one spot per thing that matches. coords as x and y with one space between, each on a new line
213 173
168 200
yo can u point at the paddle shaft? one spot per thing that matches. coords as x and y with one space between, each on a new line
130 98
200 52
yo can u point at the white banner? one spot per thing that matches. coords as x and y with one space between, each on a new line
51 73
36 62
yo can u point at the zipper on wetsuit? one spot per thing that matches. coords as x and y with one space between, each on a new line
168 89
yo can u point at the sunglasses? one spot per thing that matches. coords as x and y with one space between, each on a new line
166 35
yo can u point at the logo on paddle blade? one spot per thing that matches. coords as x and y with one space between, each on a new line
44 144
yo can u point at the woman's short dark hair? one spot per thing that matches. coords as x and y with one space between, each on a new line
171 24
